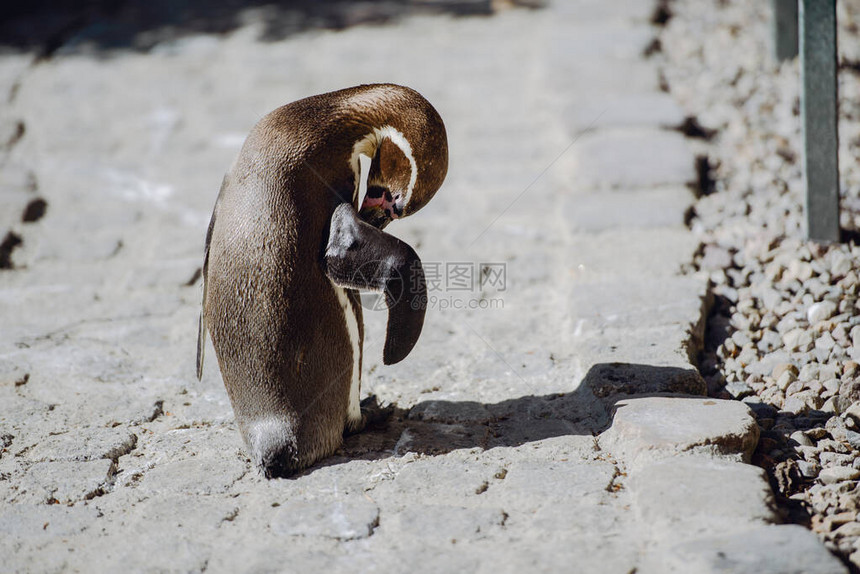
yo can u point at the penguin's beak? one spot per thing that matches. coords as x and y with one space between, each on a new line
375 215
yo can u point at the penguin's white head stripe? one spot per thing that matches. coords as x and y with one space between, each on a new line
364 161
367 146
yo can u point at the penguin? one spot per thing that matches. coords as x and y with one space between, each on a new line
290 244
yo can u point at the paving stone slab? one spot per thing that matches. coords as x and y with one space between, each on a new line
435 523
451 413
65 481
345 519
610 381
267 554
649 428
623 209
600 10
573 415
85 444
35 537
652 302
600 41
598 553
691 497
630 110
620 158
159 533
531 485
37 523
787 549
198 475
662 347
573 78
450 479
635 254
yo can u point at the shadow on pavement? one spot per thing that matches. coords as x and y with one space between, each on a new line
47 25
438 427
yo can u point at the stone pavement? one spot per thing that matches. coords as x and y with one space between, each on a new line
553 421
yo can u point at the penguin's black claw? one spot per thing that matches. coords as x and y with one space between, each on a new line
369 402
375 415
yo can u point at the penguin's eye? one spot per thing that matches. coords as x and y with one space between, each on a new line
375 191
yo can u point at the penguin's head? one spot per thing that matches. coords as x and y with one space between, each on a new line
405 171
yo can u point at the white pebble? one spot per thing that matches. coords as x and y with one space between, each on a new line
834 474
820 311
801 439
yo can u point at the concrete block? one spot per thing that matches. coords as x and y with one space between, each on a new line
35 537
631 158
632 255
342 519
600 41
66 481
658 347
647 303
170 532
85 444
529 485
690 497
609 380
562 551
199 475
623 209
601 11
449 480
649 428
763 550
571 415
575 78
447 412
37 523
444 524
623 110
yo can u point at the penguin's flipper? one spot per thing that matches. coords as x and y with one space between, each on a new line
360 256
201 325
201 343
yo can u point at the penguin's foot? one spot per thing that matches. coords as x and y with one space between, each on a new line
373 415
376 414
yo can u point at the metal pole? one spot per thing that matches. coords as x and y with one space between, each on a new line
784 27
818 104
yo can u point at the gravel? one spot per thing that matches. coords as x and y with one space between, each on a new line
784 332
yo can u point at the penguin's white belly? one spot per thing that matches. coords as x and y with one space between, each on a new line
353 410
